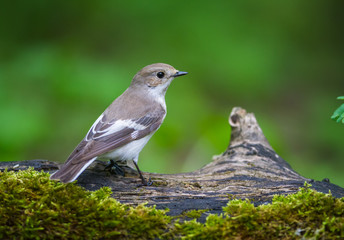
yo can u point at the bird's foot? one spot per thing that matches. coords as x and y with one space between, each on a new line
145 182
113 168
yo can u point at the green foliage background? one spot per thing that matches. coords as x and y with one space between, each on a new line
63 62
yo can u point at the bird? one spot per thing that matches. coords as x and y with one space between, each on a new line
125 127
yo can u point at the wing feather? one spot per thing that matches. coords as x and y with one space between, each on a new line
105 136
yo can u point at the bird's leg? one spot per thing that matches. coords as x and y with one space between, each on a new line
114 168
144 181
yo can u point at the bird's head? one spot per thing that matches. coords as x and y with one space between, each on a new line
156 77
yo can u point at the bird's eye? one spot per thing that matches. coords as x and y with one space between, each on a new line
160 74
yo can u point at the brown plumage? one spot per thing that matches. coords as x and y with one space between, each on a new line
126 125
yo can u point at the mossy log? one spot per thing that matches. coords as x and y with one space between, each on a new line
249 168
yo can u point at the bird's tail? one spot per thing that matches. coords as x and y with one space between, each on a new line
69 171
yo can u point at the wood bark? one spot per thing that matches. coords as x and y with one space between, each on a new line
249 168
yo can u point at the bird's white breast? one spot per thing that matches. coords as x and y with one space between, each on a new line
129 151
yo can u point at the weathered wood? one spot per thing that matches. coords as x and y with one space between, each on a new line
249 168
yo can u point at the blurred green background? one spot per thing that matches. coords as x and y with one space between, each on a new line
63 62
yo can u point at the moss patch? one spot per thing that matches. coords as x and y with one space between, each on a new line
306 214
32 206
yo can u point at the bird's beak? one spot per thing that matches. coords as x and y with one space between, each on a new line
179 73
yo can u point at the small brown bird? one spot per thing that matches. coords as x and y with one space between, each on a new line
124 128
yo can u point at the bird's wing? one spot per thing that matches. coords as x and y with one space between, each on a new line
105 135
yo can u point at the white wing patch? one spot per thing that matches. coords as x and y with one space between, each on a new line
113 127
135 134
88 138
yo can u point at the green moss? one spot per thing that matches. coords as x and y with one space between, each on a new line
192 185
159 183
32 206
306 214
251 164
194 213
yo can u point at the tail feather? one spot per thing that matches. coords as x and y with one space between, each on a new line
69 171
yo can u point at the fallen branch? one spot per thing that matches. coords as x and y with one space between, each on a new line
249 168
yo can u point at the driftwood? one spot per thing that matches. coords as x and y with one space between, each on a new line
249 168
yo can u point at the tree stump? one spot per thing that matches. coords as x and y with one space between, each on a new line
249 168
